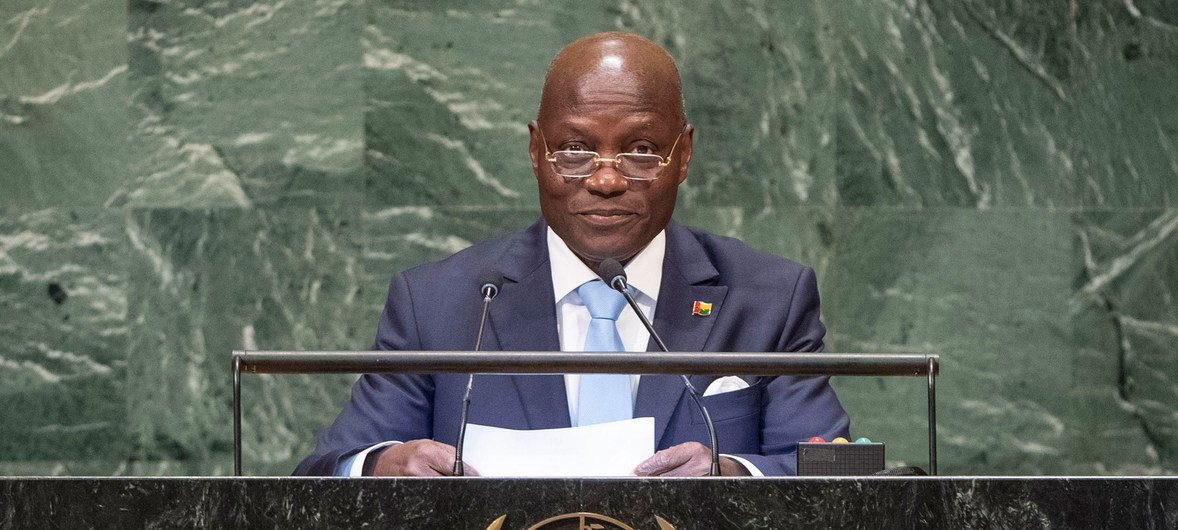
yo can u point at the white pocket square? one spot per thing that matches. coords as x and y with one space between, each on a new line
725 384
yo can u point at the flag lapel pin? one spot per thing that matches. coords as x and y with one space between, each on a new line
702 309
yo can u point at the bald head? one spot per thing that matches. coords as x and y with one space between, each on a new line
631 64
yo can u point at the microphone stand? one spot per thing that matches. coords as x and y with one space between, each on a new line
489 292
618 282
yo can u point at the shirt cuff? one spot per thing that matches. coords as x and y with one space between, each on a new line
354 465
747 465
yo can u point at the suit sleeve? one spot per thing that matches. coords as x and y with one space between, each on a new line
382 407
797 408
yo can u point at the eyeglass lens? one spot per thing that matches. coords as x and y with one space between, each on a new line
584 163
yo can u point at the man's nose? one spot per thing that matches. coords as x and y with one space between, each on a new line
607 180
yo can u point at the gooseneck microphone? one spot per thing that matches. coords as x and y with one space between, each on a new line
489 288
614 275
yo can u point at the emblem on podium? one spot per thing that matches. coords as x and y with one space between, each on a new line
580 521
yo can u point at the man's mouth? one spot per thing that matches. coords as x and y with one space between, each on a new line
606 217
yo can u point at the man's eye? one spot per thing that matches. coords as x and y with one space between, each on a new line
642 150
574 147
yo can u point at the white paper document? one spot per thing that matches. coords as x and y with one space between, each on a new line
604 450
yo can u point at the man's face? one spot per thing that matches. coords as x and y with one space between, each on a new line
607 215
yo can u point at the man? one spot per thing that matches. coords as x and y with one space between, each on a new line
609 148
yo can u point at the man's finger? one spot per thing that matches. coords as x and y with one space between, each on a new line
663 461
425 458
440 458
694 466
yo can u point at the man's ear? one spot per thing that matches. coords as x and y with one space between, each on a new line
534 146
685 144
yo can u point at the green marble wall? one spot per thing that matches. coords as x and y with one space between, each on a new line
995 181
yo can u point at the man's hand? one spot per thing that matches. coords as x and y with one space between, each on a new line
418 458
691 459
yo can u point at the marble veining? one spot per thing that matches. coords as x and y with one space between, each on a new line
991 181
959 502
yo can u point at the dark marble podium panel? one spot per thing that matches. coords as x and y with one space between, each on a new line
922 502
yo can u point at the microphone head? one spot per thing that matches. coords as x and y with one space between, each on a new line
489 283
613 273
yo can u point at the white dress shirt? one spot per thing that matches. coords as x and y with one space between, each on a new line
644 273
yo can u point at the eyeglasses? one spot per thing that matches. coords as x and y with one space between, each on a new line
633 166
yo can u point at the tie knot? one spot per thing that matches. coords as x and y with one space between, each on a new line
601 300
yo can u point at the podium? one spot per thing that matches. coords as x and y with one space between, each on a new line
604 503
477 503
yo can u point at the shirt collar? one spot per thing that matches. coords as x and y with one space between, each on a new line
644 272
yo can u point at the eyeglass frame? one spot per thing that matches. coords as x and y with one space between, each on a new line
550 156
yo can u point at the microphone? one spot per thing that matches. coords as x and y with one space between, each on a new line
489 288
614 275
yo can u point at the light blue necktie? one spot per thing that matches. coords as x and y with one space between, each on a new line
603 398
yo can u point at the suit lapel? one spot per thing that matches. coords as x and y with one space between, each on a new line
524 318
688 276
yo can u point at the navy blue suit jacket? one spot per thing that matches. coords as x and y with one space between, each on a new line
760 303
